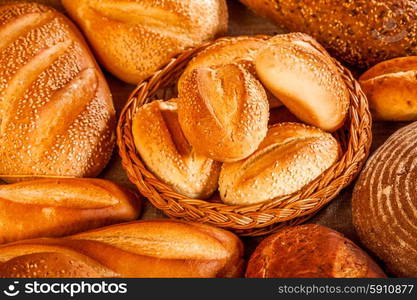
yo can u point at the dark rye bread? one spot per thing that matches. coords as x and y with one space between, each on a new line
310 251
361 32
384 203
56 111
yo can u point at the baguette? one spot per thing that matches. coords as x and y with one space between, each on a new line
58 207
159 248
133 39
57 115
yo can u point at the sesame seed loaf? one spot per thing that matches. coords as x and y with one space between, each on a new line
223 112
291 156
167 153
133 39
391 88
150 249
384 203
58 207
310 251
296 69
361 32
57 116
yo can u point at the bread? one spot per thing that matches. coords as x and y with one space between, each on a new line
305 79
57 112
310 251
291 156
167 153
228 50
223 112
133 39
391 87
160 248
361 32
384 203
58 207
281 115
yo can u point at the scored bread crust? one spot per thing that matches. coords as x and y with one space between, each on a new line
159 248
57 115
223 112
58 207
384 203
310 251
168 154
133 39
291 156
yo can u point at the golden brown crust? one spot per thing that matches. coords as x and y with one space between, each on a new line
384 203
58 207
57 115
361 32
167 153
310 251
305 79
160 248
391 87
291 156
223 112
133 39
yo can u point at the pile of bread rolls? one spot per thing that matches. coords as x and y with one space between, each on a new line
215 134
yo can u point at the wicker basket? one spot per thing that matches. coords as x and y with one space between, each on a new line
251 220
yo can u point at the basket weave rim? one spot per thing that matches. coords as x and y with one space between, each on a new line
255 218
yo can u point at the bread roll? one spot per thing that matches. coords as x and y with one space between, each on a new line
384 203
57 207
361 32
306 81
310 251
291 156
166 152
133 39
57 112
391 88
160 248
223 112
239 50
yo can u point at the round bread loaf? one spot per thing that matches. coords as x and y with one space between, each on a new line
291 156
57 115
384 203
133 39
391 88
361 32
223 112
305 79
167 153
310 251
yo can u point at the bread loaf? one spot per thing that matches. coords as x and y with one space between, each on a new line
291 156
167 153
57 115
391 88
384 203
223 112
240 50
310 251
160 248
305 79
361 32
58 207
133 39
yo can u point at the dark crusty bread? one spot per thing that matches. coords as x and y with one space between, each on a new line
361 32
58 207
159 248
384 203
57 115
310 251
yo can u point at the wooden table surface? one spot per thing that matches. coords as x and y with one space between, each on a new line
336 215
